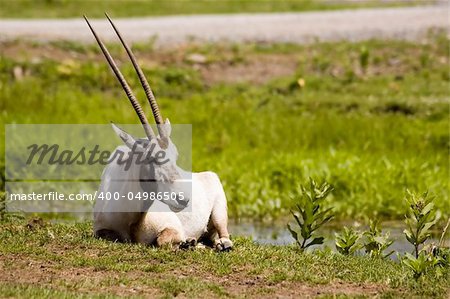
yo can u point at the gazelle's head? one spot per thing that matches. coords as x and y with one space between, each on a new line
154 145
155 159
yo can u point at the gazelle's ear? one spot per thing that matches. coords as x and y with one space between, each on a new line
129 140
166 129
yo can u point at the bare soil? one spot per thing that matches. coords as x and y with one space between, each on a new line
18 269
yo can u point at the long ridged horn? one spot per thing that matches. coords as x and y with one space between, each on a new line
134 102
144 82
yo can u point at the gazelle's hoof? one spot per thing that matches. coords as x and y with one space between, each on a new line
189 243
224 244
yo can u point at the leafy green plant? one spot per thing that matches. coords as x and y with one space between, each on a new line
442 256
420 218
310 214
420 264
347 241
375 243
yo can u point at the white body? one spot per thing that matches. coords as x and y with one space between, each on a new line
206 217
208 197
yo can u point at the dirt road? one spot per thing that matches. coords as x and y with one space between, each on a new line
407 23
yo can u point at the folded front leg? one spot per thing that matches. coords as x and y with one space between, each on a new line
169 237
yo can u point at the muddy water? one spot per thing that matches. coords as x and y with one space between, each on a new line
277 234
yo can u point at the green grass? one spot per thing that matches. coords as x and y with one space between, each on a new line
88 266
25 290
133 8
371 126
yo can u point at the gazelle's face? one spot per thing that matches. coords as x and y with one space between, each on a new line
168 178
156 161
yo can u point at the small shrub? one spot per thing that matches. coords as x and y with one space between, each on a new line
310 214
420 218
421 264
443 256
376 243
347 241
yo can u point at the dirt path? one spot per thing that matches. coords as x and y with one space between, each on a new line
26 271
407 23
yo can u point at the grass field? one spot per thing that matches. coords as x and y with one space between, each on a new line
63 260
371 119
134 8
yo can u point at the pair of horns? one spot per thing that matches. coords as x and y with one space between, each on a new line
148 92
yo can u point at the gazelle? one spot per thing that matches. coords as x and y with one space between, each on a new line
131 221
